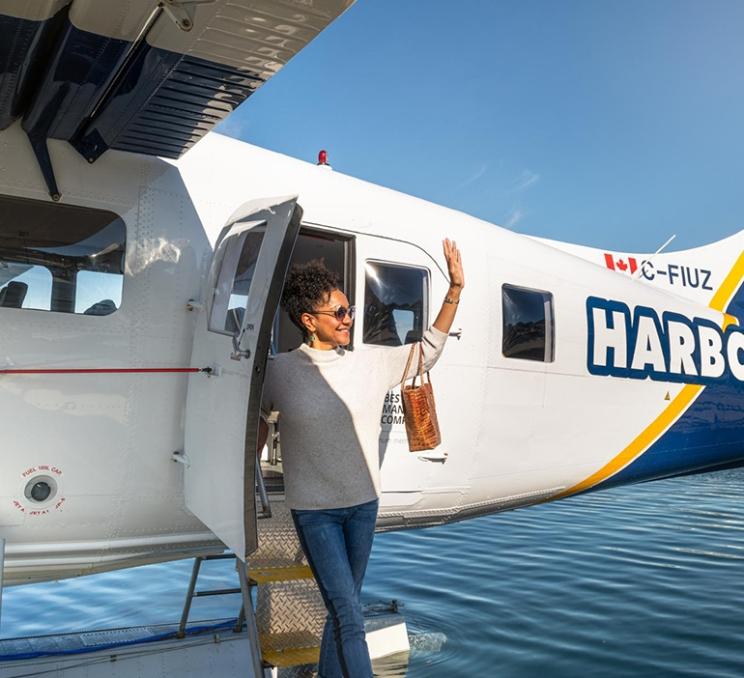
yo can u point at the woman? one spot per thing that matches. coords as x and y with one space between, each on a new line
330 402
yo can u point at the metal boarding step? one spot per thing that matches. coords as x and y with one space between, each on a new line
289 612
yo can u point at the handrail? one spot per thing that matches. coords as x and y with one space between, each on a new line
262 493
192 593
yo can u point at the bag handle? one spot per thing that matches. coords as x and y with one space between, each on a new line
420 372
421 367
408 366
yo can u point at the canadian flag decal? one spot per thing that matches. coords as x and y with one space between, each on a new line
630 266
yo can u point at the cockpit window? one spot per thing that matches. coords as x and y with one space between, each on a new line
395 303
62 258
528 323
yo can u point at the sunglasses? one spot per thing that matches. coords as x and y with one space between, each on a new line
340 313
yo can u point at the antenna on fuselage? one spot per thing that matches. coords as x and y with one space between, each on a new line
637 274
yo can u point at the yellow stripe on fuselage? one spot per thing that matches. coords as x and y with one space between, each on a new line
676 407
729 286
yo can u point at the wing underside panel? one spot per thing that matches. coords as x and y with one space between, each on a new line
143 76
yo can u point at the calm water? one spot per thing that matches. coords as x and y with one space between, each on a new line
640 581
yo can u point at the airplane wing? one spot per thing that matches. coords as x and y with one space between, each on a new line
149 76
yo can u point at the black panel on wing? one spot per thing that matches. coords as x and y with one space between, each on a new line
80 68
164 104
24 49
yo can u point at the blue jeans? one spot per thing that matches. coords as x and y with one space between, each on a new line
337 543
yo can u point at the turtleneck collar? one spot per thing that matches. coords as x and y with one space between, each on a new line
318 356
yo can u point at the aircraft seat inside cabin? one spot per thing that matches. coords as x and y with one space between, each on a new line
103 307
380 327
13 295
413 336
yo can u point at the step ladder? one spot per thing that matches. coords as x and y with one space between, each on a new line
290 613
286 626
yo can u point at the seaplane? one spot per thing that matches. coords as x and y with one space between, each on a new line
142 257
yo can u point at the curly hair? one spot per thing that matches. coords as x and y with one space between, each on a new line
307 286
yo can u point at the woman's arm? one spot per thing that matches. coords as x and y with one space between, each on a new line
457 281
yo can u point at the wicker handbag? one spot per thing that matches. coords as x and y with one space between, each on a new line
422 427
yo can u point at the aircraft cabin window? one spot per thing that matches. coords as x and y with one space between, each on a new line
528 323
62 258
395 303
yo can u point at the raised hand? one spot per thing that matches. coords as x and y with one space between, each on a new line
447 313
454 263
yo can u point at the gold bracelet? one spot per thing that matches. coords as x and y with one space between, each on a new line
447 300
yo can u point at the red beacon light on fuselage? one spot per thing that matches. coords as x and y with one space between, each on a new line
323 159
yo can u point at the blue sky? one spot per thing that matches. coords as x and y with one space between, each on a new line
609 123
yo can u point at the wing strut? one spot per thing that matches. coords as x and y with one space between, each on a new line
41 151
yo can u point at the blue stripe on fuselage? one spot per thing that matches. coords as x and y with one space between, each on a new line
709 434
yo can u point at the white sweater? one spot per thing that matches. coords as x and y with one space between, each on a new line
330 404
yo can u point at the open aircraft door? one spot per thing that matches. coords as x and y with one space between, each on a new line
232 340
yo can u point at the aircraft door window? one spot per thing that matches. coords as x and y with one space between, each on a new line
395 303
62 258
527 324
237 255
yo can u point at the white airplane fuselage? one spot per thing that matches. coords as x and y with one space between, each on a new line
603 408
